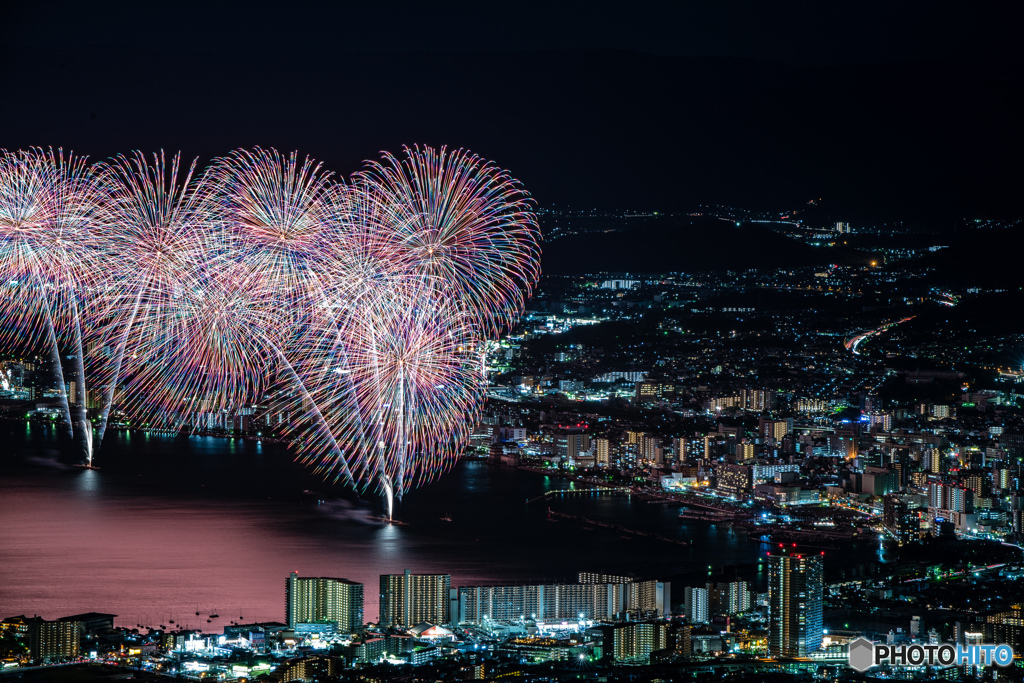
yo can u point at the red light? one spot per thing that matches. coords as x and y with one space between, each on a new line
794 545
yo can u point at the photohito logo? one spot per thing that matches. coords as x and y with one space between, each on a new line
864 654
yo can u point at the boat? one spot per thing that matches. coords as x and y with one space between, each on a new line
447 517
214 616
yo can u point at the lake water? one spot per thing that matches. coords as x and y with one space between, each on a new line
170 526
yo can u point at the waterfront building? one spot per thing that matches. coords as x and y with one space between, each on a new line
733 480
409 599
795 588
324 599
50 641
570 444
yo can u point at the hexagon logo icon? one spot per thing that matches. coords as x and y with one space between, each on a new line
862 654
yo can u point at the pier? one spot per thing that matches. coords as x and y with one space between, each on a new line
566 492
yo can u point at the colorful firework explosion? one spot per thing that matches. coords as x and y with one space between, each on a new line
356 312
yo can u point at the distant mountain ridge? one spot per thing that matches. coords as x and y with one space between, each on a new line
681 244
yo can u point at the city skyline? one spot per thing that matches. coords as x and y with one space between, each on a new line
661 342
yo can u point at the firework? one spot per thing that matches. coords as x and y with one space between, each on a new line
358 312
160 240
49 259
460 221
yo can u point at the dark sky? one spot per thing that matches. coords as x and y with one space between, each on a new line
891 109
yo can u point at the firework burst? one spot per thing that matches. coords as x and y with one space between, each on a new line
357 312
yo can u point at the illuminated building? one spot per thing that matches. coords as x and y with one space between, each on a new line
14 626
683 642
770 472
745 451
878 481
709 447
979 483
596 596
774 429
596 577
306 669
650 449
649 391
899 521
721 403
53 640
409 599
729 598
756 400
695 605
733 480
569 444
634 642
324 599
604 451
795 587
955 498
1006 627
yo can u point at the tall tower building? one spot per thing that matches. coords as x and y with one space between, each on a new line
795 586
409 599
53 640
320 599
695 605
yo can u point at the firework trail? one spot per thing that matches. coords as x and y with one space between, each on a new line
160 239
49 258
357 311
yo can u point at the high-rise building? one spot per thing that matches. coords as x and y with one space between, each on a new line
795 587
324 599
650 449
603 448
695 605
409 599
899 520
756 400
745 451
596 596
1006 627
729 598
946 497
53 640
634 642
774 429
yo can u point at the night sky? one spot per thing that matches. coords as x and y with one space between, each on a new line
885 110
